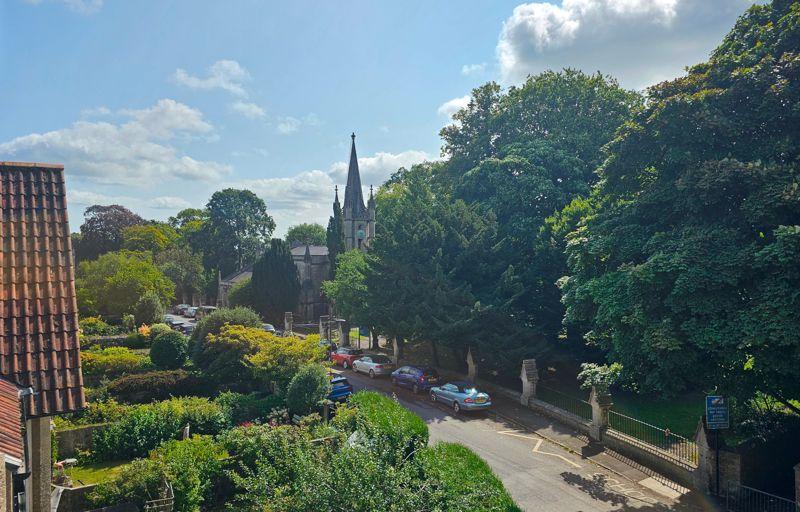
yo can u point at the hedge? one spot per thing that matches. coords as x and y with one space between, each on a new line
158 385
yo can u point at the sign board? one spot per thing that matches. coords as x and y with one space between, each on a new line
717 417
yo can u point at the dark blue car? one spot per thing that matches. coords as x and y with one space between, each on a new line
340 389
416 378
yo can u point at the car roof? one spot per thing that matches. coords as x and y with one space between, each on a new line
463 384
338 378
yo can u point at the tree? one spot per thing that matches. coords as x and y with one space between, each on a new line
306 234
184 268
236 231
169 350
189 224
241 294
153 237
348 292
307 389
275 283
102 230
212 324
686 268
148 309
334 237
114 282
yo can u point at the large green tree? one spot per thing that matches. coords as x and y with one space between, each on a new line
184 268
306 233
334 236
236 230
102 230
686 268
275 285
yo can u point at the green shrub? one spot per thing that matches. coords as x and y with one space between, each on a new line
463 480
264 445
146 426
136 340
157 385
223 356
95 326
156 329
385 421
241 294
211 324
169 350
112 362
307 389
148 309
128 322
192 466
136 483
242 408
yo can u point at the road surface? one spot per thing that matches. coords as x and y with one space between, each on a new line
540 475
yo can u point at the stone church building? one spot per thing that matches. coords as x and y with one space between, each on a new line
313 265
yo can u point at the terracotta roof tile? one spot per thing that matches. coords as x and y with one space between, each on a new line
38 311
10 421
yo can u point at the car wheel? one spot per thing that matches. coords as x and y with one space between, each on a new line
345 365
433 397
415 389
371 374
456 407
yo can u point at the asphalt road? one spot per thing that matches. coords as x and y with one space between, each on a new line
541 476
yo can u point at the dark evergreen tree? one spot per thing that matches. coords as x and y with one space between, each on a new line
275 285
334 235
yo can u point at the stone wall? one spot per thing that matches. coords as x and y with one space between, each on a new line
73 499
797 483
5 483
730 463
675 470
74 439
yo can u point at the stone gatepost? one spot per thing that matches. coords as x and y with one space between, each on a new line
730 462
323 327
288 322
41 465
601 404
530 377
471 366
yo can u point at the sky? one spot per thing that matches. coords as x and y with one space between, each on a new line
156 104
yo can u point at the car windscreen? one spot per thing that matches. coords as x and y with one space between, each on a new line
340 384
468 390
381 359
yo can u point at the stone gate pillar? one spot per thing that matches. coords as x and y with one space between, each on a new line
41 465
471 366
601 404
530 378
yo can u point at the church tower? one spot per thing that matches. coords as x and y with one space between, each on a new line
359 220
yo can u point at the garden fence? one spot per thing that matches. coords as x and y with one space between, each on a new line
660 438
740 498
576 406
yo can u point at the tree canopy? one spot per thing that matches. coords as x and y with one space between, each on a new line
102 230
306 234
275 285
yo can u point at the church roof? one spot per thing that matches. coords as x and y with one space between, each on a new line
353 197
314 250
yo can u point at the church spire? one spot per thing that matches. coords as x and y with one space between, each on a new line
353 197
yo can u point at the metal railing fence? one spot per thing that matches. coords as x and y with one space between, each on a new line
660 438
740 498
569 403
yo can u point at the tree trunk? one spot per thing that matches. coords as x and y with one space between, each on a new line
375 344
345 338
435 353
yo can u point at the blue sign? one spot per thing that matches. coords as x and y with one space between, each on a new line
717 413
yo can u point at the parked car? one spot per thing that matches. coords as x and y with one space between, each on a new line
180 308
373 364
187 329
417 378
190 312
203 311
344 356
268 327
341 389
461 396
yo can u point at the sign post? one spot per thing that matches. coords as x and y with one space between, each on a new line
717 418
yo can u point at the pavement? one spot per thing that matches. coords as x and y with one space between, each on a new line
544 465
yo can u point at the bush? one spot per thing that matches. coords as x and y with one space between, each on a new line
136 340
222 357
157 385
156 329
137 482
95 326
148 309
265 445
445 466
243 408
211 324
278 359
106 411
241 294
128 322
112 362
385 421
169 350
192 467
146 426
307 389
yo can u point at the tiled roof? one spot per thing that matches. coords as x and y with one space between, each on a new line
38 313
314 250
10 421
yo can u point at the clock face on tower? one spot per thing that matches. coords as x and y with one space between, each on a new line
360 233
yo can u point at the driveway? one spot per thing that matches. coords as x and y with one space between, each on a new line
540 475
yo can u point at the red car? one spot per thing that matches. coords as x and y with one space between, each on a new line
345 356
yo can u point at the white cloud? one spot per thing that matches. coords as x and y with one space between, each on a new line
228 75
169 203
95 112
448 108
79 6
249 110
134 152
376 169
384 128
88 198
638 41
288 124
473 69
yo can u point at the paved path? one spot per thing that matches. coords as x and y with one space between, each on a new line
540 474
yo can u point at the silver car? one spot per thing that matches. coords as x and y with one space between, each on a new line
461 396
373 364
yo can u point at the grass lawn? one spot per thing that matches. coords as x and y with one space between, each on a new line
94 473
679 414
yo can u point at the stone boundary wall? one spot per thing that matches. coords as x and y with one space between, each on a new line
560 415
72 499
73 439
629 447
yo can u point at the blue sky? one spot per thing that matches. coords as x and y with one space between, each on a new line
156 104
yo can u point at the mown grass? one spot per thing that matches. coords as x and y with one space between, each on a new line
96 472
